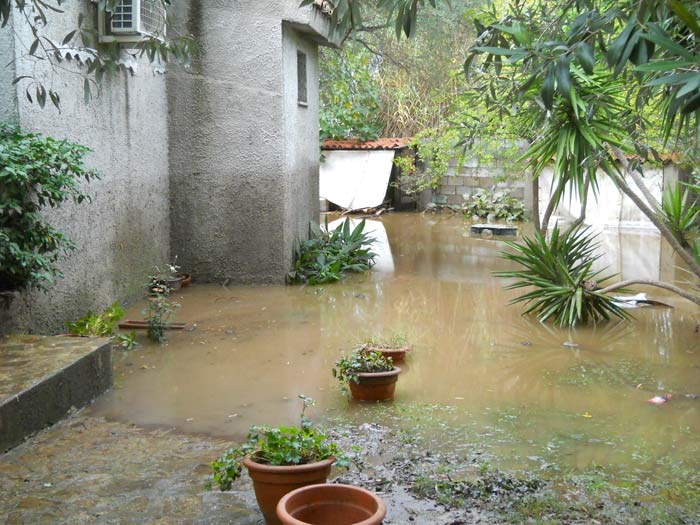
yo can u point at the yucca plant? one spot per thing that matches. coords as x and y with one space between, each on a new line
680 215
564 282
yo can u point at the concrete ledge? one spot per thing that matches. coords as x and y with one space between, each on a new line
42 378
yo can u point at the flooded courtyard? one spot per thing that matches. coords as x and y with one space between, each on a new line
483 388
581 393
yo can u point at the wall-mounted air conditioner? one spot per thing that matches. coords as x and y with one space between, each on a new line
132 21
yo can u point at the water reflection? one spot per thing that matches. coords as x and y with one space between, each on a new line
255 348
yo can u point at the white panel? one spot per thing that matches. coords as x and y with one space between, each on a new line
355 179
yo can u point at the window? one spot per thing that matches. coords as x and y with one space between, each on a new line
301 79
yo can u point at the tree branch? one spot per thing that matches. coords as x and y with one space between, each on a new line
660 224
636 178
648 282
584 204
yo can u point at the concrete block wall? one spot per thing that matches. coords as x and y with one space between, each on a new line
470 176
467 181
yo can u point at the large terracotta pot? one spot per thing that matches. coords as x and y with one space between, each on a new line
330 504
377 386
397 354
271 482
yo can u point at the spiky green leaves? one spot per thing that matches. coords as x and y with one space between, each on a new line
561 273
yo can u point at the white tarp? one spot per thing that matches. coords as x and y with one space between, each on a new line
355 179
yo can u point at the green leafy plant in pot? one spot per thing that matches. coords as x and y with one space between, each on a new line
367 374
394 347
279 460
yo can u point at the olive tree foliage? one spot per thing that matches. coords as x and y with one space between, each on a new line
100 59
589 73
591 82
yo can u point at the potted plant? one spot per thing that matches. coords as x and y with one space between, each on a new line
369 375
331 503
167 279
395 347
279 460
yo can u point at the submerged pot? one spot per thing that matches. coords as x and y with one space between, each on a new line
328 504
376 386
397 354
271 482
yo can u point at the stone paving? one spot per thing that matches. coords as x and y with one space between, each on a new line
87 470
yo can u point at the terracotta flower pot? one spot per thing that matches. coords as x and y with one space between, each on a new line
328 504
271 483
186 280
397 354
377 386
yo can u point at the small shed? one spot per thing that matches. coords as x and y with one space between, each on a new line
357 174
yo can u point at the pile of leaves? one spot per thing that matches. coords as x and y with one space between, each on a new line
493 205
327 255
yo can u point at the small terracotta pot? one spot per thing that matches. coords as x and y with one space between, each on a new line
186 280
397 354
330 504
377 386
271 483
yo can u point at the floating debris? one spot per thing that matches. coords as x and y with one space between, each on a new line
660 400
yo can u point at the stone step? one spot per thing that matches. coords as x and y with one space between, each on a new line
43 377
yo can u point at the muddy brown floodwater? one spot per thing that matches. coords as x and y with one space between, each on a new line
532 391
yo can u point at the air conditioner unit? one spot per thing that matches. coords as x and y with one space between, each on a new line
132 21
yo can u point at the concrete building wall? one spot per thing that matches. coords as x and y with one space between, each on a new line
217 164
244 155
8 93
301 145
126 228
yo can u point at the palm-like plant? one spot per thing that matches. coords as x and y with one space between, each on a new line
680 215
561 272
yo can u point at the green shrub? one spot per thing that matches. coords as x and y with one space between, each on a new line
328 254
493 205
97 324
561 273
35 172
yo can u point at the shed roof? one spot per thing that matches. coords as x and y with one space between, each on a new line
383 143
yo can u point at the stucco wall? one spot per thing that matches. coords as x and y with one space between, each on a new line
217 165
126 229
8 94
244 156
301 144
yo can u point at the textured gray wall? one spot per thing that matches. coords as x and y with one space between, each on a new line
8 94
244 156
126 229
218 165
301 144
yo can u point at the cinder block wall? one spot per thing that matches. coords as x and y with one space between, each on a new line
472 176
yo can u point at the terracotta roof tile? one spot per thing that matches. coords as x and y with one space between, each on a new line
383 143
